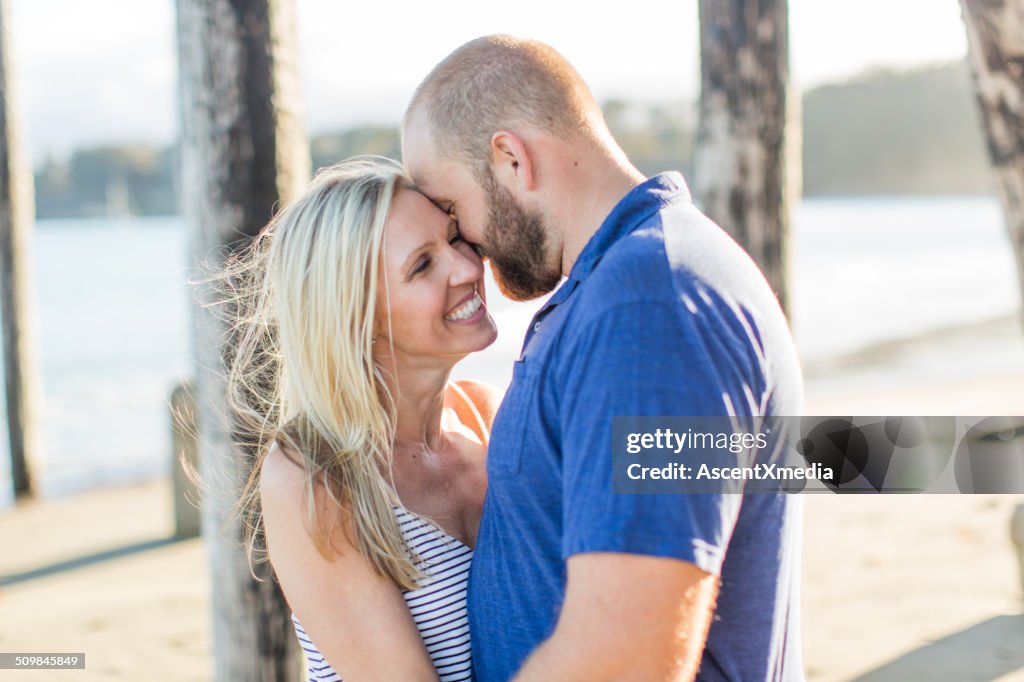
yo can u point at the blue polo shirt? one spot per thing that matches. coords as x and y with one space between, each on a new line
663 314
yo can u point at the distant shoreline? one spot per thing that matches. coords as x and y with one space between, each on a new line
47 221
888 349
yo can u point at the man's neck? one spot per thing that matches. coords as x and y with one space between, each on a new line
594 194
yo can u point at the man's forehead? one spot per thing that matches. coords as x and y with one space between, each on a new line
423 184
417 140
434 177
438 176
421 164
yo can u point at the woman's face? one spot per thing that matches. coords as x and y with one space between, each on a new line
434 284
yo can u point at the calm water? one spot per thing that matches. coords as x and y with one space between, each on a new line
112 315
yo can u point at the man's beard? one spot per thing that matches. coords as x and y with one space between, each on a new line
515 243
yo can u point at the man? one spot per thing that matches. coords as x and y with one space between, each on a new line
661 314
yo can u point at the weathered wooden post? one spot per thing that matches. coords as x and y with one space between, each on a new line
995 51
184 461
1017 537
746 166
243 151
16 217
995 42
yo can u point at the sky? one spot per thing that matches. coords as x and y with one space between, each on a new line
104 71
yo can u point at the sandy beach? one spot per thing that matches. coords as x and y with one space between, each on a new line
907 587
896 588
137 606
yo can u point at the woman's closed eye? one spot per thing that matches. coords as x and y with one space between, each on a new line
421 266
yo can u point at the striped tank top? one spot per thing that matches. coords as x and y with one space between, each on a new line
438 608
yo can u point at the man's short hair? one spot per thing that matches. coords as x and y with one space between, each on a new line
497 82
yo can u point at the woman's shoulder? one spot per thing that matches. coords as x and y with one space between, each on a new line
485 397
298 511
475 403
285 486
282 471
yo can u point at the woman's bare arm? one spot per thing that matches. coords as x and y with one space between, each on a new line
356 618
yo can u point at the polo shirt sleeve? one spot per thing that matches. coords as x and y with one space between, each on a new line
641 359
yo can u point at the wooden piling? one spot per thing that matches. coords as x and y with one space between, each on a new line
16 217
243 151
1017 537
747 161
184 461
995 51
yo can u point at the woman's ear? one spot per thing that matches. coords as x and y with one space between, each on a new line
511 160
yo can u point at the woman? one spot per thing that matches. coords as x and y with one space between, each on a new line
355 304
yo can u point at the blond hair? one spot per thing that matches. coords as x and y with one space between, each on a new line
302 299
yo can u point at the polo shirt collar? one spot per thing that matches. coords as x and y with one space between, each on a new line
632 210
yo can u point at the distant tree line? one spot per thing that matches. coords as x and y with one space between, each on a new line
100 180
896 133
883 132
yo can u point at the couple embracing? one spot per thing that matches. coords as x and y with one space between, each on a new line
424 529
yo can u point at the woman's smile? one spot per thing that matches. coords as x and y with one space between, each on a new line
470 310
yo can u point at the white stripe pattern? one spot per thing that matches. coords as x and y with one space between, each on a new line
438 608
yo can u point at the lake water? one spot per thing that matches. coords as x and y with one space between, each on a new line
112 316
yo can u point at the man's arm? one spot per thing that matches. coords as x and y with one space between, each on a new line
627 617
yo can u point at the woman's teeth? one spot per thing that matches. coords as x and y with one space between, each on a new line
466 310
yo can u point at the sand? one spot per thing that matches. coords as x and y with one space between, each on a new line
141 616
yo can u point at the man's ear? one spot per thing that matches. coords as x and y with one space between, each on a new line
512 162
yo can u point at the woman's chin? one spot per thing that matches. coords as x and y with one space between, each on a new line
492 336
484 333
